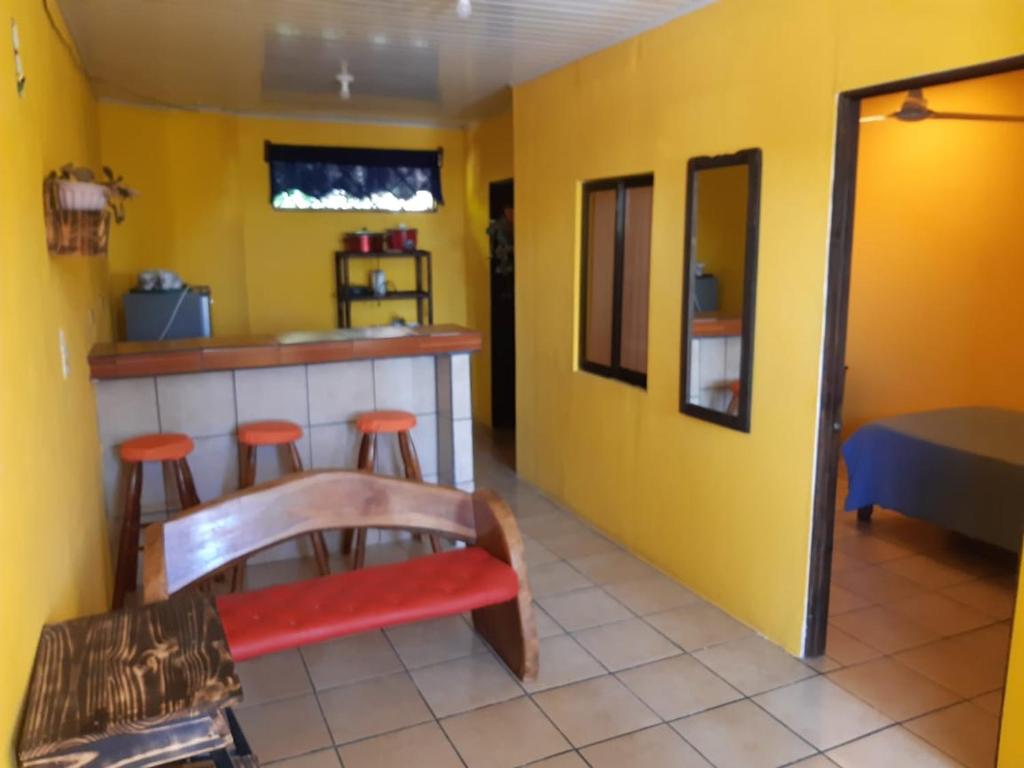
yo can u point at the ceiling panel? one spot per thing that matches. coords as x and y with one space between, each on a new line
413 60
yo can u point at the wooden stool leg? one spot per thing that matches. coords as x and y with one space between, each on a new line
125 576
346 541
317 539
413 472
360 556
367 453
190 485
246 466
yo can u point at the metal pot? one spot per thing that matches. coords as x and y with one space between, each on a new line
401 239
364 242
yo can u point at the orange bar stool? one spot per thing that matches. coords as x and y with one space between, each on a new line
171 450
275 433
370 425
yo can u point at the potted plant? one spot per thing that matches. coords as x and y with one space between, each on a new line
78 190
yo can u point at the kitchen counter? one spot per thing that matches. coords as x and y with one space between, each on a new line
206 388
128 359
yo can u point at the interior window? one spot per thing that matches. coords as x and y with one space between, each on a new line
615 276
351 179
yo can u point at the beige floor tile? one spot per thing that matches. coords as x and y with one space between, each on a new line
658 747
893 689
260 575
990 702
822 713
563 661
994 597
884 629
894 747
843 600
612 567
871 549
580 544
818 761
741 735
822 663
965 731
753 665
595 710
940 614
845 649
678 687
556 578
651 595
284 728
877 585
349 659
424 746
955 663
277 676
325 758
549 525
993 640
546 626
504 735
372 707
626 644
697 626
567 760
535 553
584 608
928 571
463 684
429 642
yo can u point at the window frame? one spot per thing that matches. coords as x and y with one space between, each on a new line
620 184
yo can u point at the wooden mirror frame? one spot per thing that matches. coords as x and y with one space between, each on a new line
752 159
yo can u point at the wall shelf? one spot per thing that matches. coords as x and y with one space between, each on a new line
423 294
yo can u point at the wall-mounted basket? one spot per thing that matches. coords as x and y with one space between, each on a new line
75 224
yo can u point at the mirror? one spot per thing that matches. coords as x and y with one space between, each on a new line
723 196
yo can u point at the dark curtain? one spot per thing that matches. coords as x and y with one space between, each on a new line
318 171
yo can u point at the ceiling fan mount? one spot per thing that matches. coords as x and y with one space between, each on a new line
915 109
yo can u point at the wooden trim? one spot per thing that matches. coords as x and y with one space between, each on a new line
510 627
830 414
210 537
121 360
752 159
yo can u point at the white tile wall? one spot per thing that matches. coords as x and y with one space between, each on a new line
199 404
208 406
272 393
340 391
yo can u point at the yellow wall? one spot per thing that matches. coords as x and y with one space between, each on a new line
53 553
721 231
205 212
935 309
728 513
488 158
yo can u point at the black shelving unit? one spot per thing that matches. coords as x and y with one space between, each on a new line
423 294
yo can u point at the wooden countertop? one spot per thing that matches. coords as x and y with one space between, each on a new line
129 359
707 324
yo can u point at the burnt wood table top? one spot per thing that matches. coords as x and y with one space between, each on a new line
135 688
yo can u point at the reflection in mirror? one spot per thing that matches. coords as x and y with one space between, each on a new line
723 201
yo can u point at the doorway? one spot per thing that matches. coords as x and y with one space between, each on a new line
845 391
503 311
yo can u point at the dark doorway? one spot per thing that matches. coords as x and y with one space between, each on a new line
830 420
503 306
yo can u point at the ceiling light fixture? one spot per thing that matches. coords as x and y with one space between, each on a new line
345 81
463 9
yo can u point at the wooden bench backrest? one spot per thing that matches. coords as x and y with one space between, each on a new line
201 541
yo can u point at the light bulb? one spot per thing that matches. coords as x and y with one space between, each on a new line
463 9
345 81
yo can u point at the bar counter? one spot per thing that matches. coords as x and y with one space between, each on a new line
206 388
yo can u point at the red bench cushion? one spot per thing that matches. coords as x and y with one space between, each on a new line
314 610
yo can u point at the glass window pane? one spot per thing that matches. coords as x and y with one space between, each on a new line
600 276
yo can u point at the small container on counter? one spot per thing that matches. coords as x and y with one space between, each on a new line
401 239
364 241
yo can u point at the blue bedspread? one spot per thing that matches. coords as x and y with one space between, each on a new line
961 468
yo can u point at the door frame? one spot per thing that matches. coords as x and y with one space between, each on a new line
836 312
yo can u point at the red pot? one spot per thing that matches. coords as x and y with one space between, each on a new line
400 239
364 242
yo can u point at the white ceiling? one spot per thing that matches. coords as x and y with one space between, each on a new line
413 60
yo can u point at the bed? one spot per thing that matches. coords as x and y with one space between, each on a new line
960 468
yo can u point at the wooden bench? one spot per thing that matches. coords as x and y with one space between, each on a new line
488 577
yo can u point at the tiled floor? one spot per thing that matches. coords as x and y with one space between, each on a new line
638 671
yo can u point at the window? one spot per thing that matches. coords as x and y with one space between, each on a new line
615 277
340 179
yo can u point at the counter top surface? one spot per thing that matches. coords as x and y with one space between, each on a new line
715 324
128 359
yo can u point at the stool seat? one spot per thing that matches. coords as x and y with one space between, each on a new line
170 446
377 422
269 433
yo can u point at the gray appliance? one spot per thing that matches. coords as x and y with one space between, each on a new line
156 315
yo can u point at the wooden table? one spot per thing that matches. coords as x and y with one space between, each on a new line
133 688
